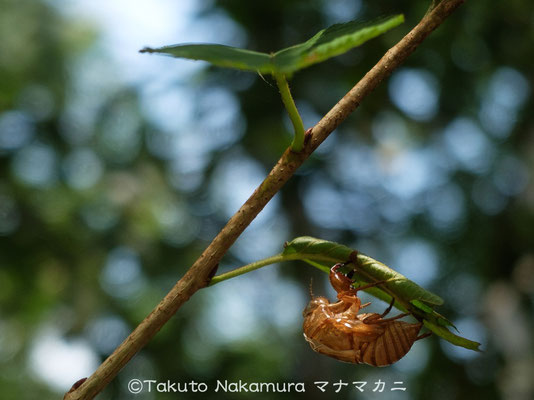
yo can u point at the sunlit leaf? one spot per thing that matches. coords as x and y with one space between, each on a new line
331 42
217 54
368 269
420 305
327 43
451 337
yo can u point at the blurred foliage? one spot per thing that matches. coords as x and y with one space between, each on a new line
106 199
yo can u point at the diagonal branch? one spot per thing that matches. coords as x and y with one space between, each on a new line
200 273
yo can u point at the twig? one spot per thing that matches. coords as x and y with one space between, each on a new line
200 273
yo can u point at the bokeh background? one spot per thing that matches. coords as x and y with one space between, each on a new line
117 169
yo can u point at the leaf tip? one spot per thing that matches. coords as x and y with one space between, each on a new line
146 50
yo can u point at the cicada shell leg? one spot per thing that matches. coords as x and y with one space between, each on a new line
387 310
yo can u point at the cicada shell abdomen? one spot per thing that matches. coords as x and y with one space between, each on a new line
378 343
392 345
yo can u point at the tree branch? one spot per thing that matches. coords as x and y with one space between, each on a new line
200 273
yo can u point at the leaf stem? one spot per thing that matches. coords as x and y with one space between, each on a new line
247 268
271 260
296 120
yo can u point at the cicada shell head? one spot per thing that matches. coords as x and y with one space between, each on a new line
340 282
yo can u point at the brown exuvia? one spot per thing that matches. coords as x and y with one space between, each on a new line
338 331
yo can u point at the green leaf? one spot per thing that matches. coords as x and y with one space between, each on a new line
331 42
327 43
367 270
326 251
451 337
217 54
429 313
421 306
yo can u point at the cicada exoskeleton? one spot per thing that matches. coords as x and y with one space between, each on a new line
339 331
